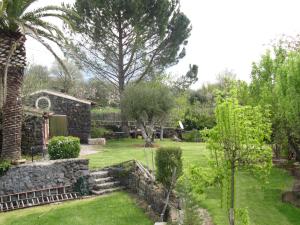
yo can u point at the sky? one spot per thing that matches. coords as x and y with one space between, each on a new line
226 35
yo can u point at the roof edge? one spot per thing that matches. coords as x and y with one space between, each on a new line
63 95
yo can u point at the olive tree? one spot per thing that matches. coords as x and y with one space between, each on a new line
147 103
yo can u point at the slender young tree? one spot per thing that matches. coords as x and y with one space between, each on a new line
238 142
129 40
16 22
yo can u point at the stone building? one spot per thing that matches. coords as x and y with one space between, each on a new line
67 115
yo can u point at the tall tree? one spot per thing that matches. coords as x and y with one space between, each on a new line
288 97
17 22
191 77
101 92
66 81
262 89
129 40
36 77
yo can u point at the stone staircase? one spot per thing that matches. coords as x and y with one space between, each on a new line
103 183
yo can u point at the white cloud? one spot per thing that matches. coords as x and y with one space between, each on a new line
226 34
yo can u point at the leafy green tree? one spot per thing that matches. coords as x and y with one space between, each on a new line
288 93
191 77
147 103
129 40
237 142
262 91
36 77
101 92
66 82
17 21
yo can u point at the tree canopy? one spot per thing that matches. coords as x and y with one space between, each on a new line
147 103
125 41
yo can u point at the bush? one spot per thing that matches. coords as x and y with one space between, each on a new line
191 136
166 160
98 132
4 166
64 147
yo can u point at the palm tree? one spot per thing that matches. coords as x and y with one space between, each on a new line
16 23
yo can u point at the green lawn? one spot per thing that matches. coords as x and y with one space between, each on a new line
263 202
114 209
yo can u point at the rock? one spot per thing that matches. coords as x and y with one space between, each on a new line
97 141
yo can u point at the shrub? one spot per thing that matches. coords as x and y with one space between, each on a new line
166 160
191 136
98 132
4 166
64 147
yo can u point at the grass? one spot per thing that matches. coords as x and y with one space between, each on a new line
115 209
262 200
118 151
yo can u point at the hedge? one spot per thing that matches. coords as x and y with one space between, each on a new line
166 159
63 147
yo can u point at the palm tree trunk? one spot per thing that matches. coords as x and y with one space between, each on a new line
12 63
12 115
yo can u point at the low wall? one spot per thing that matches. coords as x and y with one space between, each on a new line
41 175
134 179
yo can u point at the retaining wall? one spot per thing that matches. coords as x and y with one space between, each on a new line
42 175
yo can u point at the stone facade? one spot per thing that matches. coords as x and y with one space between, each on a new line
1 137
78 111
32 134
41 175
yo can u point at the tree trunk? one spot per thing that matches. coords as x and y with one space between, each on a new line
12 115
147 133
121 75
232 190
293 143
161 133
12 64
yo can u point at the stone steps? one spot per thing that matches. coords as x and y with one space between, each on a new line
107 191
103 183
103 180
106 185
99 174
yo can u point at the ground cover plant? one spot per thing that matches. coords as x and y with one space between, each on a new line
113 209
262 200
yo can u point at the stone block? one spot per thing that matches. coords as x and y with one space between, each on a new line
97 141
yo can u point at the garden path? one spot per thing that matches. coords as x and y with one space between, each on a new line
89 149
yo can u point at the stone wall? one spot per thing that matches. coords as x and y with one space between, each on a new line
41 175
134 179
32 134
78 113
0 132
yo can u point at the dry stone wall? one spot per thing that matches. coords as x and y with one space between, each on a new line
41 175
32 134
134 179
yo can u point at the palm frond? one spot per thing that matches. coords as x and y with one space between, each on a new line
3 6
38 35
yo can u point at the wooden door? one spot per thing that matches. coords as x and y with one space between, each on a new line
58 125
